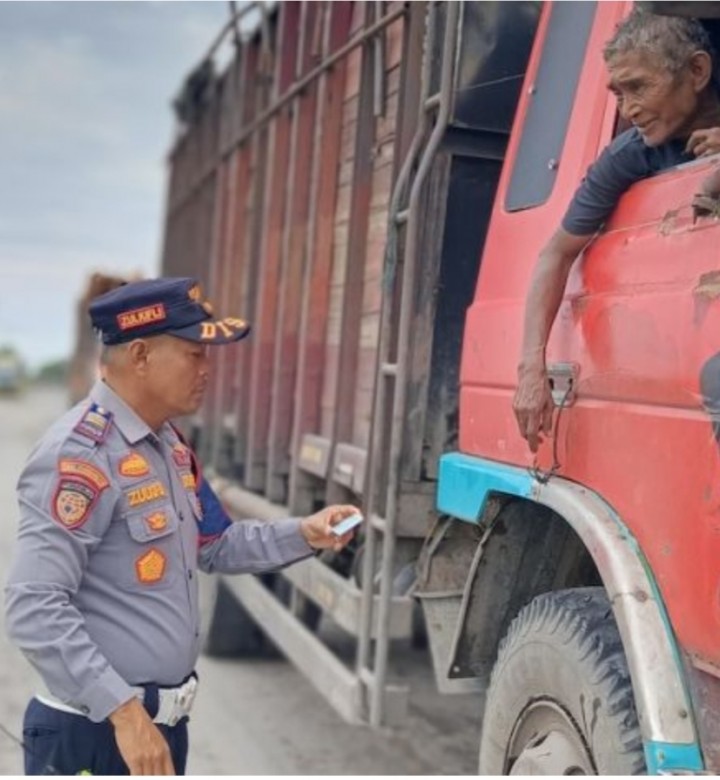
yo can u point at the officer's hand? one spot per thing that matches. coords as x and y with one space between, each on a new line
533 405
141 745
704 142
316 528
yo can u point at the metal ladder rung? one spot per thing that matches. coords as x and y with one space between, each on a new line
389 369
402 217
367 676
432 102
378 523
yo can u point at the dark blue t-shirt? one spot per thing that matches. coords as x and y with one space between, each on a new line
623 162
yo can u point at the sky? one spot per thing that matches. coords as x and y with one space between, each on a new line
85 127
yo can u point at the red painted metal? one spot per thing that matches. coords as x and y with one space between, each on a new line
640 319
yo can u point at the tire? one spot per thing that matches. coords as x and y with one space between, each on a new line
231 632
560 699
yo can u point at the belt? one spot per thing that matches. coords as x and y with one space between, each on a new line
173 704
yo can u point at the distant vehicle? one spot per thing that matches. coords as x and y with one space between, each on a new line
12 371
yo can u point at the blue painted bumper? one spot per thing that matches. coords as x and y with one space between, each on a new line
665 758
465 483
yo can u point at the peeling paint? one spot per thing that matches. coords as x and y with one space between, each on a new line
708 285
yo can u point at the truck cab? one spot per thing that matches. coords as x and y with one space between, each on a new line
371 185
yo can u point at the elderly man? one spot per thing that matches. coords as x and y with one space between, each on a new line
115 521
661 71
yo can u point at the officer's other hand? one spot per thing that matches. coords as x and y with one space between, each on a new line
316 528
705 142
140 741
533 406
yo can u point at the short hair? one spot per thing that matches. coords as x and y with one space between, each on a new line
671 40
109 352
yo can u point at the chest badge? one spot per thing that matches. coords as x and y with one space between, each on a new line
157 521
133 465
181 455
150 567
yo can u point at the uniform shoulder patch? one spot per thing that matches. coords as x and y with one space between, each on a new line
78 487
95 423
72 502
133 465
82 468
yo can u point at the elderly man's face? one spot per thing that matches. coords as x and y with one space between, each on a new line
662 105
176 374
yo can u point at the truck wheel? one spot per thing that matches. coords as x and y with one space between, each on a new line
560 700
231 632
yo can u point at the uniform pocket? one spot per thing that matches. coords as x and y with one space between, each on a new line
156 554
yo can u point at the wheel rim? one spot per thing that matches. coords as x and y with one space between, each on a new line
546 741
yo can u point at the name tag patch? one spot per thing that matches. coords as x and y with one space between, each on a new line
139 317
145 494
134 465
150 567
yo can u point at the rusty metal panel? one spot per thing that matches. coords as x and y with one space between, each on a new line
260 78
291 269
232 276
316 287
261 376
350 224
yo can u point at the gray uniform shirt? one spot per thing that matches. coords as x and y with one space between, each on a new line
114 523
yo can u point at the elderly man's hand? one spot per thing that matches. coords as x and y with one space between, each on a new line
703 143
533 405
316 528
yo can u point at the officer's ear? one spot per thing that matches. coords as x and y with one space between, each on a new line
138 352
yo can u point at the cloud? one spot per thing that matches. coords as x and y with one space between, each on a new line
85 125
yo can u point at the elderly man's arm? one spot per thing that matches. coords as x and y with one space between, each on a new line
533 404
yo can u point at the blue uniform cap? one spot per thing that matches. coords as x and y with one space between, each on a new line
174 306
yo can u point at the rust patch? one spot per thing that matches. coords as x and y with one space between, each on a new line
667 223
708 285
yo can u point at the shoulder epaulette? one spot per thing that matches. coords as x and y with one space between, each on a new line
94 425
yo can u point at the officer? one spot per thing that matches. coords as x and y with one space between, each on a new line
115 520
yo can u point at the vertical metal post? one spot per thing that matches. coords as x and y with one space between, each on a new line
399 394
375 456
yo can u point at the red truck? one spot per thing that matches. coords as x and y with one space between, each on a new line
370 184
